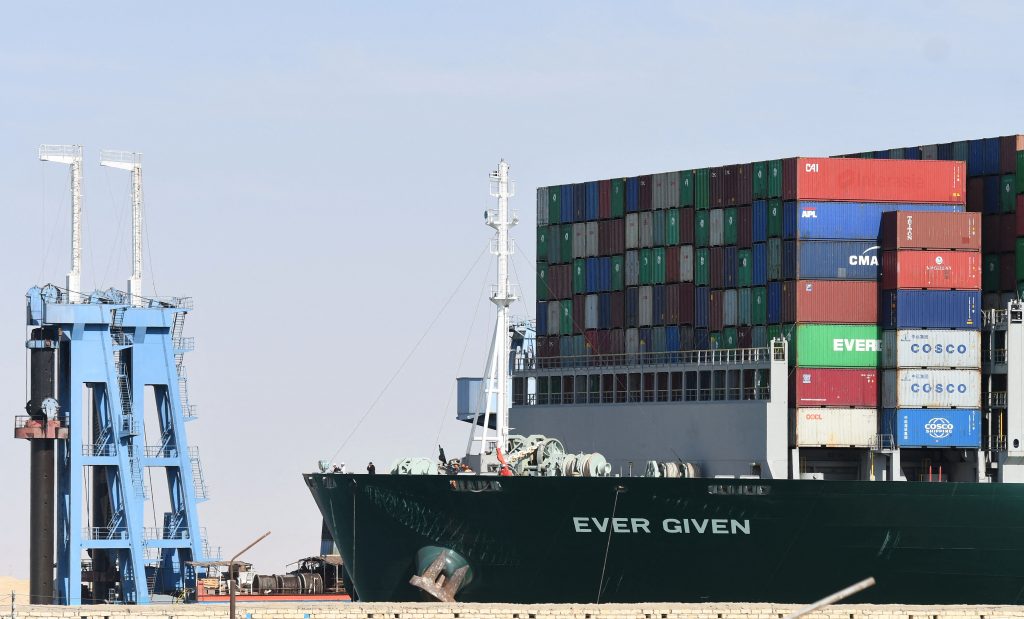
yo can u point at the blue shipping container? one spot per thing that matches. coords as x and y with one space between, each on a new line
933 427
672 341
593 276
881 154
657 343
542 317
851 220
983 157
788 259
579 202
913 153
632 194
604 310
760 257
859 260
759 221
774 310
632 306
658 302
944 152
565 349
566 207
701 339
590 205
930 309
701 306
789 220
991 196
604 267
729 281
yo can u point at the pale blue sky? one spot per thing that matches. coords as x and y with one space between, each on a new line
315 175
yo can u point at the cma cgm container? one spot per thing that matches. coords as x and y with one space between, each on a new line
835 427
824 301
848 220
833 387
931 388
836 260
930 230
837 346
930 309
931 348
930 427
932 269
868 180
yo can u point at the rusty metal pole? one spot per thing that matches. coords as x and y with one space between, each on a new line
231 569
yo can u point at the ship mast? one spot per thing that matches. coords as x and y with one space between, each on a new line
495 390
132 162
71 155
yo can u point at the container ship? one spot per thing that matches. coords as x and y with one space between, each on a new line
738 384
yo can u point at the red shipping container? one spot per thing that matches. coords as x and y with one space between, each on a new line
744 183
874 180
717 187
686 226
931 230
716 318
579 312
744 235
618 309
603 238
744 337
716 267
1008 273
1007 231
976 194
672 304
616 345
1008 147
789 306
646 184
604 199
833 387
618 237
731 180
931 269
590 340
564 280
686 304
672 264
836 301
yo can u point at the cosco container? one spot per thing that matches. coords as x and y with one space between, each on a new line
845 302
837 346
849 220
833 387
933 427
856 260
931 388
933 269
835 427
866 180
936 348
930 309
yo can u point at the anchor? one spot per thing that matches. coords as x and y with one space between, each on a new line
435 580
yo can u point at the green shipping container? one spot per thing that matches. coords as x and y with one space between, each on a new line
775 179
701 268
702 188
772 332
554 205
565 242
760 180
759 305
701 228
565 324
867 155
838 346
744 268
542 241
990 273
672 227
730 225
729 338
960 151
658 265
542 281
646 270
658 228
743 315
1020 172
715 340
1020 259
686 188
618 273
618 197
579 276
774 256
775 217
1008 194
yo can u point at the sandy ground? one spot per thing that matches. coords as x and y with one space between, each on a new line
18 586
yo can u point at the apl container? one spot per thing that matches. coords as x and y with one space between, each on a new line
933 427
930 309
931 230
866 180
932 269
836 301
935 348
833 387
835 427
850 220
931 388
855 260
837 346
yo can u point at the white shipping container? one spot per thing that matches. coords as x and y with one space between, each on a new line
542 206
716 227
632 344
671 189
646 229
554 317
836 427
729 306
592 248
658 190
590 312
930 388
632 268
686 263
632 230
931 348
645 305
579 240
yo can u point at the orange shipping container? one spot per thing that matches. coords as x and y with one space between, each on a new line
933 270
931 230
835 301
874 180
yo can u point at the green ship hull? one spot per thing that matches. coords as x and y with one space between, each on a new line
585 540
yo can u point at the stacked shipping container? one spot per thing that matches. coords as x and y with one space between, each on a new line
931 385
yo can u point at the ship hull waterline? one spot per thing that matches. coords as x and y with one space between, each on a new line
622 540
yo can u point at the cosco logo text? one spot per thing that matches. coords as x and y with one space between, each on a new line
948 349
938 388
